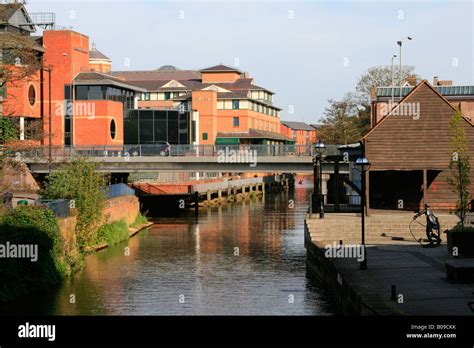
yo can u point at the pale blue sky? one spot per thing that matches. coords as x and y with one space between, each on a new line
297 49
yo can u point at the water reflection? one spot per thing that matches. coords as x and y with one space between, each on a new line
238 259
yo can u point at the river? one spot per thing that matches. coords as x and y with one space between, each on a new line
239 259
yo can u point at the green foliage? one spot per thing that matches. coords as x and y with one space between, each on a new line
112 233
8 131
79 182
459 165
139 220
345 121
38 226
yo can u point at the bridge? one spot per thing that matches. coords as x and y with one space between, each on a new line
183 158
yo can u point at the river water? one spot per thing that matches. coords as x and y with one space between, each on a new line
239 259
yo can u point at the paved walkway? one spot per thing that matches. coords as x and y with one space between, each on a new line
418 274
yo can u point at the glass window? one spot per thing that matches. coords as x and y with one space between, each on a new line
81 92
167 95
146 126
131 127
32 95
204 136
96 93
67 92
173 130
236 122
235 104
161 126
183 128
112 129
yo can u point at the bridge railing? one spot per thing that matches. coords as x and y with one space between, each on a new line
149 150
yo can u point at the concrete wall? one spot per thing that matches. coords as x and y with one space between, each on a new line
347 227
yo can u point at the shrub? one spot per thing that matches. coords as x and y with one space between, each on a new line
139 220
37 226
112 233
79 181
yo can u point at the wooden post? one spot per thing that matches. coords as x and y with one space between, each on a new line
196 203
337 185
425 186
208 197
219 195
367 191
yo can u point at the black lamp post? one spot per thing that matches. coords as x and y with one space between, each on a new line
363 165
317 198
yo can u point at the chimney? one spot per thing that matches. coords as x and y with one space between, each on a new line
435 81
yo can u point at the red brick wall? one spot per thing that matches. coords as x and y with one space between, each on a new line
95 129
122 208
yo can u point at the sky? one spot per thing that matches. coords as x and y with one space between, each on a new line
306 52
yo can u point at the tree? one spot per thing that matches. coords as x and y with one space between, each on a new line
380 76
459 165
80 182
340 123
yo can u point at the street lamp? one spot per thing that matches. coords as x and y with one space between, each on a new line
363 165
318 201
394 56
399 43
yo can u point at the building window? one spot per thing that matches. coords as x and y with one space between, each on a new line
236 122
112 129
204 136
235 104
32 95
167 95
147 96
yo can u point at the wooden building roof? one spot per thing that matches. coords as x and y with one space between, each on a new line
415 140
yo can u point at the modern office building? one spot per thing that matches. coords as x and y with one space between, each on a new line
225 104
77 106
300 132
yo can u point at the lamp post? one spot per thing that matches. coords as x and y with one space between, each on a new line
399 43
49 69
317 198
363 166
394 56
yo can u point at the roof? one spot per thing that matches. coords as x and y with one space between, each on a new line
8 10
448 91
404 99
96 78
158 75
220 68
297 125
22 21
96 54
254 134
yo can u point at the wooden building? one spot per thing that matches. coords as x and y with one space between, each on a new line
409 153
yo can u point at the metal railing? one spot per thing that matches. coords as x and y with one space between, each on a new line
342 204
163 151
